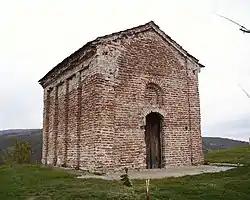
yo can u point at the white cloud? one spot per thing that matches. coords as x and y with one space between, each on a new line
36 35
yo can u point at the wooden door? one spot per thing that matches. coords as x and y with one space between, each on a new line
153 140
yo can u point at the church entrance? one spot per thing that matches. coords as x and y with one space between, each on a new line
153 140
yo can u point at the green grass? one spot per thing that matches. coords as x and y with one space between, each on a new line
35 182
234 155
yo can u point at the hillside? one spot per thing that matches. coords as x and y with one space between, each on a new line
34 136
213 143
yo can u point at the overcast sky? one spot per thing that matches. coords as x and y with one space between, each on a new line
36 35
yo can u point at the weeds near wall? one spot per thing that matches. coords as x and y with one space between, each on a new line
125 179
127 182
147 189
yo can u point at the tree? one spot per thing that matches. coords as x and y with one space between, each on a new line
20 153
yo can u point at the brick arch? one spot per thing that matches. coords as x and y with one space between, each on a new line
148 110
155 81
153 94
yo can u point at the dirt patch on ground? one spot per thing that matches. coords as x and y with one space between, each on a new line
161 173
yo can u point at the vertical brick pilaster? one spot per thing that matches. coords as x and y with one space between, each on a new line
189 124
46 114
66 115
78 119
51 128
195 118
55 127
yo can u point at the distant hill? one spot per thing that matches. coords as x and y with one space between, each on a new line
34 136
213 143
20 131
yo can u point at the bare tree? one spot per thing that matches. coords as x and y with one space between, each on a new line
248 95
242 28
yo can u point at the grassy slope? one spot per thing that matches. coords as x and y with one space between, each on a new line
36 182
233 155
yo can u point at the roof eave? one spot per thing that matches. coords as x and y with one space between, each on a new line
146 26
201 65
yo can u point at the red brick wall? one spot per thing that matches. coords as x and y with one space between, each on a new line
102 113
62 119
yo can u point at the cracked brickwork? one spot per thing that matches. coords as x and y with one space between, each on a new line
96 103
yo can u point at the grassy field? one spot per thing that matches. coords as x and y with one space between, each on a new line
233 155
33 182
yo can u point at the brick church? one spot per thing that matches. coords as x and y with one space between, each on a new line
128 99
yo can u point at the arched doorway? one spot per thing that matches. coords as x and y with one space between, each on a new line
153 140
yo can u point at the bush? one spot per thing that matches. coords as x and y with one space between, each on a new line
20 153
125 179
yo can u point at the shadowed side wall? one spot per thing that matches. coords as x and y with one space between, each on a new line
70 122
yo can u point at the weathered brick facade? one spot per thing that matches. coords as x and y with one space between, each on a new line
97 104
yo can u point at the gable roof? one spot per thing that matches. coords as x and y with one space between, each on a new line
92 44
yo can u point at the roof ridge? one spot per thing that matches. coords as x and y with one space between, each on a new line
136 29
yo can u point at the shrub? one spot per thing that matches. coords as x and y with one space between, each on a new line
125 179
20 153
